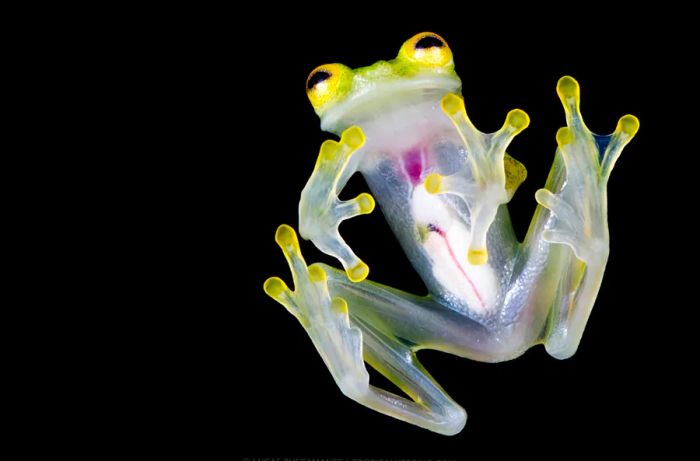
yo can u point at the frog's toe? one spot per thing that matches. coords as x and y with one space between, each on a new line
276 289
454 184
627 128
310 300
585 153
568 228
287 240
362 204
564 238
569 93
560 207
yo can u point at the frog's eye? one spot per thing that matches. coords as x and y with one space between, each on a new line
428 49
326 82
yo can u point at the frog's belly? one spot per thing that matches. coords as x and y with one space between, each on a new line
433 229
444 238
403 147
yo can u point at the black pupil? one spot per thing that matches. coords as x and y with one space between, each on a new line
317 78
429 42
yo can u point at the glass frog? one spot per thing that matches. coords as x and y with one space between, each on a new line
443 187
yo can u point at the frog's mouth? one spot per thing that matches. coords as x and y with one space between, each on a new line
370 101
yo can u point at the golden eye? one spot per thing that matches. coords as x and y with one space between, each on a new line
327 82
427 49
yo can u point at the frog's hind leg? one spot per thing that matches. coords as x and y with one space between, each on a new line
343 341
430 407
421 321
572 220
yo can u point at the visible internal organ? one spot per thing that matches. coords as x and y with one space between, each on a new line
413 163
445 240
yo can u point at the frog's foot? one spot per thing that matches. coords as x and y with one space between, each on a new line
580 206
320 210
325 319
485 183
344 346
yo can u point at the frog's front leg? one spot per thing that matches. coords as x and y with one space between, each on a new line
320 210
344 341
576 221
484 184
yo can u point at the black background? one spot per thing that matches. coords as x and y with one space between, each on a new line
241 373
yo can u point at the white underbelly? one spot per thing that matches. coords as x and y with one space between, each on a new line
445 240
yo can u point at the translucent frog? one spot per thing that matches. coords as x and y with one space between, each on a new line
443 187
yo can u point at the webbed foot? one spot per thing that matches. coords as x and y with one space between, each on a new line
580 207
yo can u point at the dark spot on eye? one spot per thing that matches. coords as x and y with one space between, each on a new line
428 42
317 78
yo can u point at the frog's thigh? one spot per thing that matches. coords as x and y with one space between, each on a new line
419 321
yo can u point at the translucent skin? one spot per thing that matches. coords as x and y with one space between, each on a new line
443 187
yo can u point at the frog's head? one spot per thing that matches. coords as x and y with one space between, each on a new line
342 96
